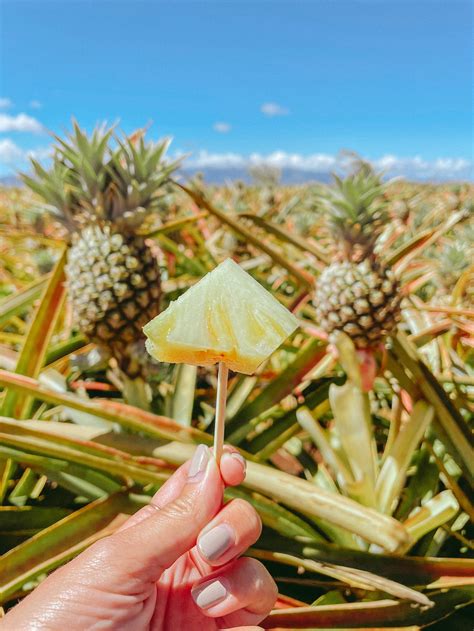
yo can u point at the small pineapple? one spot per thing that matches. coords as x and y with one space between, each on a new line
103 194
452 261
358 293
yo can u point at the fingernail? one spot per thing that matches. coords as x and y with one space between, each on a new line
198 463
240 459
209 594
214 543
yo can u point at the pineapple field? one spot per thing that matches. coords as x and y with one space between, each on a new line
357 430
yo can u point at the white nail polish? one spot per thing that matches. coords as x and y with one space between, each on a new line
198 463
209 594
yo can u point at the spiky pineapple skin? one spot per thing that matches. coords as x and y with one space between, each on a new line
114 286
362 299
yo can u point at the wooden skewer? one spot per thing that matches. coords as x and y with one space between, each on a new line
221 400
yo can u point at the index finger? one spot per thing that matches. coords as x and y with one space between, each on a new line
232 469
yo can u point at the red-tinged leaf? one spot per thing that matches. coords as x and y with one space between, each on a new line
370 615
49 458
466 313
112 446
413 285
92 385
127 416
467 327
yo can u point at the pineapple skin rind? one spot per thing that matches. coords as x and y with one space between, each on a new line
242 324
114 285
360 299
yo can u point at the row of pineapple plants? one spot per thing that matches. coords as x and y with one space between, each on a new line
357 430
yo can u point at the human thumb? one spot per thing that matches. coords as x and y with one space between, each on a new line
146 549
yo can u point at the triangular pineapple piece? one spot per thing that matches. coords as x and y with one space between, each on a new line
227 316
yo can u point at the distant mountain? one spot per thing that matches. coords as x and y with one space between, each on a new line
220 175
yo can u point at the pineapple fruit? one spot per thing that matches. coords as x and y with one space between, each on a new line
452 261
226 317
103 193
357 293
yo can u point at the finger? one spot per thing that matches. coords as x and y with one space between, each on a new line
232 467
240 593
170 490
230 533
144 550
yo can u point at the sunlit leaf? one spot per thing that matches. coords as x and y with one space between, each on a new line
33 353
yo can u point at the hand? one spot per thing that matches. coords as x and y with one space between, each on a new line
172 566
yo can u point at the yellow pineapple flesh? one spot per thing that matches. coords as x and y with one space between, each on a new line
226 317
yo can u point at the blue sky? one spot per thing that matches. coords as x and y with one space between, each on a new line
294 80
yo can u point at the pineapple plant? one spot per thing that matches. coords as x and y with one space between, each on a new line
357 293
310 441
452 265
226 317
103 194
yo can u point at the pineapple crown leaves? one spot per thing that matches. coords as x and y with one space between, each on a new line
103 177
356 208
50 185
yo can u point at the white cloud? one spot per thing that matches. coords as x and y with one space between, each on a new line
20 122
274 109
222 128
15 157
35 105
448 167
5 102
10 153
311 164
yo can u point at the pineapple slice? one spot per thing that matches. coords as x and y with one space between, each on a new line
226 317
